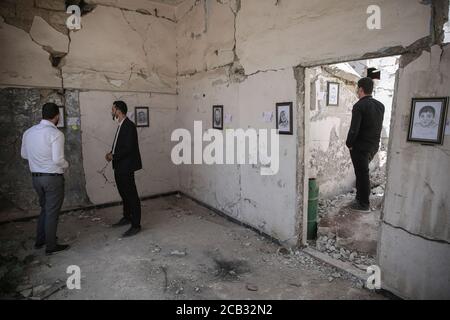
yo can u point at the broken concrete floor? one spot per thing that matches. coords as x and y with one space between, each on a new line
185 251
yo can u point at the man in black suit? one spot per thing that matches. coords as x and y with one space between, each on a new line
126 160
363 140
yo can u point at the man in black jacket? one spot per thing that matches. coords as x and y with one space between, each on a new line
126 160
363 140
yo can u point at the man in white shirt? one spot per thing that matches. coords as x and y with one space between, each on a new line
43 147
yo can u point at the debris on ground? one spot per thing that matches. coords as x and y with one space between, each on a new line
251 287
328 245
177 253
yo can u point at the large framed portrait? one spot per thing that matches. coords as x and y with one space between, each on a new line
217 117
62 117
284 118
141 117
428 118
333 94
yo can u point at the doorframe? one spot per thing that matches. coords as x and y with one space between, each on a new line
303 130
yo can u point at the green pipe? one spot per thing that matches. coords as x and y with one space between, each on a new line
313 200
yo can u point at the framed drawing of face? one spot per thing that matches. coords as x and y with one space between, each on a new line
62 117
428 119
332 94
217 117
284 118
141 115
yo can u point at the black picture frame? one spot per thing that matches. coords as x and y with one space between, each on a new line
62 117
142 117
329 96
215 120
287 128
422 110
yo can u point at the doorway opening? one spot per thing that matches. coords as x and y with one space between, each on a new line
331 92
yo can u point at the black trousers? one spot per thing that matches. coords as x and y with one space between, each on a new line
126 186
361 161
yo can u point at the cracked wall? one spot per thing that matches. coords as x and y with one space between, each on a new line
415 237
329 159
279 34
158 175
206 35
122 50
267 203
121 46
20 109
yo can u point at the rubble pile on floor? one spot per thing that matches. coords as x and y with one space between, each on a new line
329 246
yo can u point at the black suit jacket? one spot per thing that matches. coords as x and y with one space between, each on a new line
127 157
367 123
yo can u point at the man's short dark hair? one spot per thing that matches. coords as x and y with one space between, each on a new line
49 111
122 106
427 109
366 84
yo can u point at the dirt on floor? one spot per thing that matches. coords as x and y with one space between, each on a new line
185 251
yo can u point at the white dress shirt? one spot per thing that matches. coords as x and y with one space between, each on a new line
43 147
117 136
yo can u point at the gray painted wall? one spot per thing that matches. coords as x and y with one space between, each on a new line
19 110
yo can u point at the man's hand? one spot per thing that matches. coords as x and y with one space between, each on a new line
109 157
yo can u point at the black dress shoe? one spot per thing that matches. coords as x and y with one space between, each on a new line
122 222
360 208
131 232
57 248
39 246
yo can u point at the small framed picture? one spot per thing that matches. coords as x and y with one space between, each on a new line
333 94
284 118
428 118
141 116
62 117
217 117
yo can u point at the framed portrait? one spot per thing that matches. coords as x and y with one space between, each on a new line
333 94
428 118
141 117
284 118
217 117
62 117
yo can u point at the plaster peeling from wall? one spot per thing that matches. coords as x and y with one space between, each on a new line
45 23
210 50
124 6
53 42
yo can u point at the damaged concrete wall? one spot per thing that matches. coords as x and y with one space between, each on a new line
21 109
278 34
415 237
329 160
122 51
243 39
159 175
206 35
239 190
121 46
